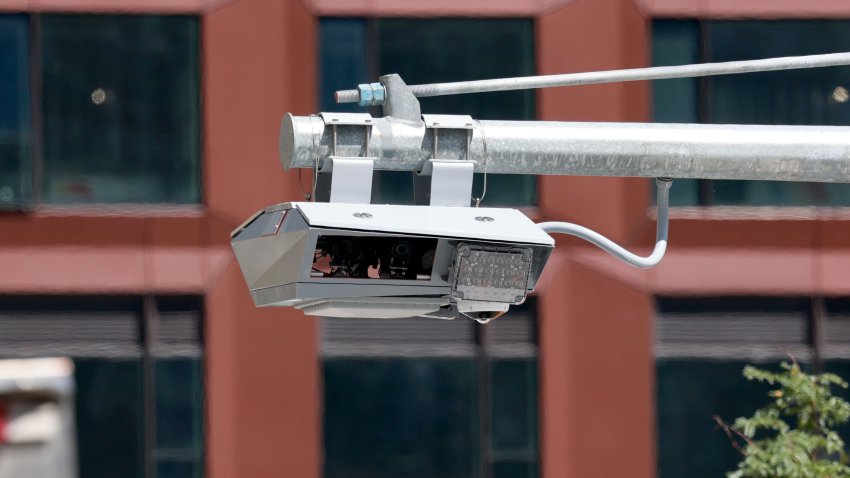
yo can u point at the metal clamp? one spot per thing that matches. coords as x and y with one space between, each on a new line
451 178
352 182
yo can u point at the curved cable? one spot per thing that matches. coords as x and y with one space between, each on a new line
615 249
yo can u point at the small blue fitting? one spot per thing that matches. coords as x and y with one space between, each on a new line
366 96
371 94
379 94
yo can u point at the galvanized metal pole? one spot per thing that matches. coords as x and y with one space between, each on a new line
784 153
374 94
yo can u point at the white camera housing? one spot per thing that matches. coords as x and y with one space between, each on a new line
390 261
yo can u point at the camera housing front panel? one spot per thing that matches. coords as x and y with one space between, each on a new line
378 260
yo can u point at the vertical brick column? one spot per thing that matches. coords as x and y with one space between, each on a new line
597 412
262 375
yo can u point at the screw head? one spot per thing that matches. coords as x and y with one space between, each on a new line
484 219
362 215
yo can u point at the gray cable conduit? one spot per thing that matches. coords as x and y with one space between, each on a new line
615 249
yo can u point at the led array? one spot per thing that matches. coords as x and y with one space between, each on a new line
488 275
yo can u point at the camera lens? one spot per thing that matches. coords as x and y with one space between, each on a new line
343 249
402 250
428 260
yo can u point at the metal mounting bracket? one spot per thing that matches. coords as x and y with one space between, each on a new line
399 102
451 178
352 182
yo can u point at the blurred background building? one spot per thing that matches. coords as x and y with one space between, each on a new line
136 134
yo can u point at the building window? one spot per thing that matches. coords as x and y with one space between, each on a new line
799 97
105 109
424 397
355 50
15 123
138 372
701 348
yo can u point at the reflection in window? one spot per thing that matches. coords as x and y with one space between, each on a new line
139 396
357 51
120 108
796 97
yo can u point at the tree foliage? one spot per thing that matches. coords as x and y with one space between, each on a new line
793 436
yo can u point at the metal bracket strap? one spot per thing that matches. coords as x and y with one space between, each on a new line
451 179
351 176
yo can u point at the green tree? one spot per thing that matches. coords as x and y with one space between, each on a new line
793 436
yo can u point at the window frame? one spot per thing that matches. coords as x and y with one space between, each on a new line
705 193
372 69
148 343
816 350
34 164
488 346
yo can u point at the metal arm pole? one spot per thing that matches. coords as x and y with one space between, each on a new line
595 77
784 153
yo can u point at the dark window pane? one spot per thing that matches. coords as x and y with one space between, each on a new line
779 97
514 408
343 54
110 418
15 132
120 108
515 470
179 404
400 417
796 97
690 392
430 51
434 51
676 42
790 97
179 469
